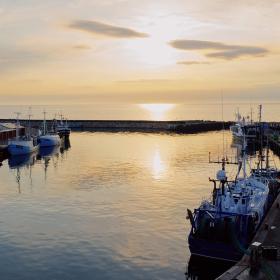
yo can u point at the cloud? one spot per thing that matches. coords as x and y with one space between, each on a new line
99 28
198 45
192 62
81 47
221 50
236 53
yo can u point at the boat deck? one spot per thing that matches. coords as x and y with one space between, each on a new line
269 235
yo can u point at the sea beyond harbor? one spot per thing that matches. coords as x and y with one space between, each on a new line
151 111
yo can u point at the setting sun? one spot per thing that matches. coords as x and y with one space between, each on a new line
158 111
108 112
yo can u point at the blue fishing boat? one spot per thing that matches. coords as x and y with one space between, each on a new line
48 139
22 145
223 227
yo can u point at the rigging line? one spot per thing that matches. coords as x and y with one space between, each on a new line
222 99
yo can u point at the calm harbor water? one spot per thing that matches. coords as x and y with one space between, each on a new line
111 206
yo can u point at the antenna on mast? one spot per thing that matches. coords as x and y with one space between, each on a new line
17 124
222 99
260 113
261 136
267 153
244 156
44 112
29 124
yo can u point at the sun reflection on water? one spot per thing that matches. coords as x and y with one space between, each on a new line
158 166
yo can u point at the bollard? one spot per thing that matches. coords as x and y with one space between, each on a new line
255 257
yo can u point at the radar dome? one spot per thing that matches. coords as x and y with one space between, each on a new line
221 175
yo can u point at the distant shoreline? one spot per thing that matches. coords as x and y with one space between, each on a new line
190 126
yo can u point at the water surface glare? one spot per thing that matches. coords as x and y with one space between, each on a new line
112 206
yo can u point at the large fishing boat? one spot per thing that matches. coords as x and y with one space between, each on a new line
224 226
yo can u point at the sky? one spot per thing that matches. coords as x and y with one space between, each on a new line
132 51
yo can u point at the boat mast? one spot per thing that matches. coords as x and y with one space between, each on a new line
260 113
17 124
261 136
222 99
267 153
44 127
244 156
29 124
61 118
238 115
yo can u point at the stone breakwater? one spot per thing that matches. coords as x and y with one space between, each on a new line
136 126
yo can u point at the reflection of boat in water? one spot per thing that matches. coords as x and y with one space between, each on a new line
21 160
201 268
46 157
48 151
3 155
65 145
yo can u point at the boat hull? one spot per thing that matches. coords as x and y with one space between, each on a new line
15 149
214 250
49 140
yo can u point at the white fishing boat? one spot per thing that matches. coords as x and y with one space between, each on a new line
22 145
246 126
237 131
48 139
